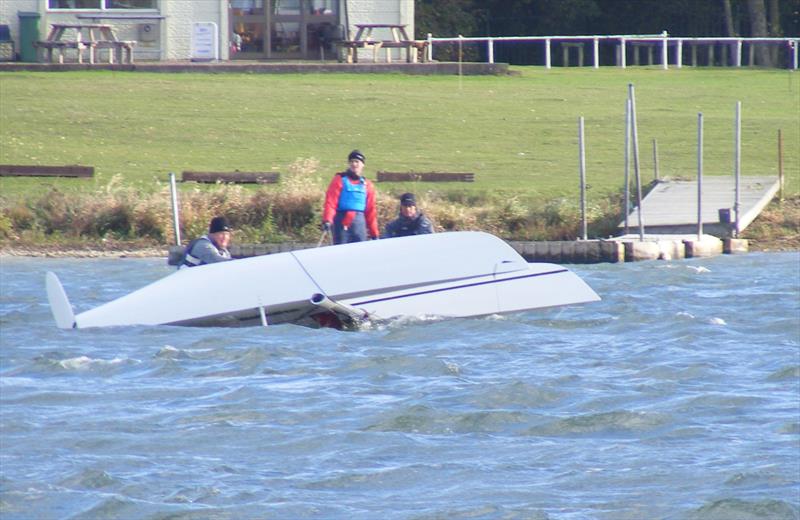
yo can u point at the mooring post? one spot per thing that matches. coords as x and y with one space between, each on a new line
655 159
175 219
582 161
547 60
699 176
737 167
627 193
636 171
780 164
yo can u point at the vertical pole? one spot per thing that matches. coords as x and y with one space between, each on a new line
622 53
547 62
582 162
655 160
664 49
780 164
490 44
460 58
596 48
175 219
699 176
737 167
627 193
637 173
795 45
738 57
679 54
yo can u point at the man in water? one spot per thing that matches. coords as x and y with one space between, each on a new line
210 248
410 222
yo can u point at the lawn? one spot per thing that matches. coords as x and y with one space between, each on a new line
518 133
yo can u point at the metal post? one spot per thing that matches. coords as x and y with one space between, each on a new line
460 58
664 53
637 173
738 57
679 54
622 52
596 47
547 62
490 45
737 167
582 162
780 164
627 192
795 45
429 50
700 176
175 218
655 160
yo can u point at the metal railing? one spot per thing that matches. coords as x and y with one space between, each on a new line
663 40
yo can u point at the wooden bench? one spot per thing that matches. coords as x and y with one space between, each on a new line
425 177
62 45
352 46
14 170
231 177
123 49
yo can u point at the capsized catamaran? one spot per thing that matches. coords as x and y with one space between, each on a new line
457 274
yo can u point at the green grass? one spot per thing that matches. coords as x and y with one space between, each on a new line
518 133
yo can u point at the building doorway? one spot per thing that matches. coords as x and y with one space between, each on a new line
284 29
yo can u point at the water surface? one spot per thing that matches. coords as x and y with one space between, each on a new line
676 397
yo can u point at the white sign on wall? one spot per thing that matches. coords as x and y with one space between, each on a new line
205 44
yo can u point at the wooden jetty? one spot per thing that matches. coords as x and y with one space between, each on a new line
671 207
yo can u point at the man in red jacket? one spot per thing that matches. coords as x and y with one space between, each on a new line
350 204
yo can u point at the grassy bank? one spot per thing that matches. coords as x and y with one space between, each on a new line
517 133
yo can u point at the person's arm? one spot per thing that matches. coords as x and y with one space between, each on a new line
207 253
425 226
332 199
389 231
371 212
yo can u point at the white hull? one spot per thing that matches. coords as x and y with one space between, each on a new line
444 274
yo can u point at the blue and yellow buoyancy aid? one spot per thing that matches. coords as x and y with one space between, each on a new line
353 197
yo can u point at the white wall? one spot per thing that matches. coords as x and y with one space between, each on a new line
9 16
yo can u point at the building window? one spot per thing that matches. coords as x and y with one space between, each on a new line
102 4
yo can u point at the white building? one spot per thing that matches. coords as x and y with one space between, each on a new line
170 30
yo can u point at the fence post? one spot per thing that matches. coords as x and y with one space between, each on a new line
738 57
795 44
780 164
679 54
655 160
582 162
664 49
547 62
596 47
737 166
490 45
700 176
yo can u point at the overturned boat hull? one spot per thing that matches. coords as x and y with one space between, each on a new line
445 274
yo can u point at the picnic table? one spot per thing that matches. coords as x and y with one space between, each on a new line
398 39
85 36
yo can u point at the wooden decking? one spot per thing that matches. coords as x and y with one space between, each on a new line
671 207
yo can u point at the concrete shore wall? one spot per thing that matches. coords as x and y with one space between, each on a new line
623 249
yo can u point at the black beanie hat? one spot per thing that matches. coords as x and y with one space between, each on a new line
408 199
219 224
355 154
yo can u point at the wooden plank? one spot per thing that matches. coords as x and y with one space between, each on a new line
425 177
232 177
16 170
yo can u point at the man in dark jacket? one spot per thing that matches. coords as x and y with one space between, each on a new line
410 222
210 248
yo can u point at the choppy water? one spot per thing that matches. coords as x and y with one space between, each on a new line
676 397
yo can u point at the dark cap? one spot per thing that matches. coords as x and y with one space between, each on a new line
407 199
219 224
355 154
